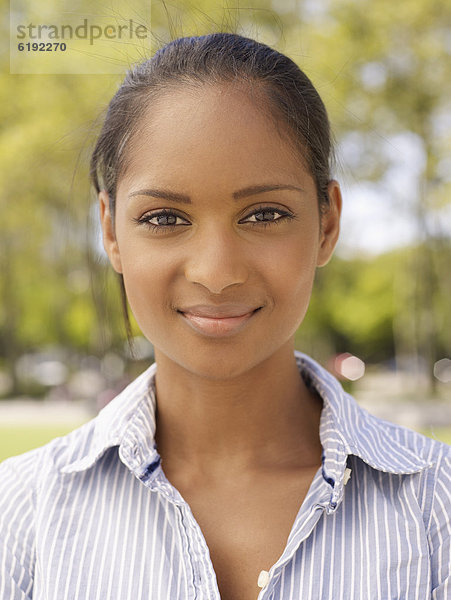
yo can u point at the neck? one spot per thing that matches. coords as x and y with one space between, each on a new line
263 417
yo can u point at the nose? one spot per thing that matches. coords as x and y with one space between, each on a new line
216 261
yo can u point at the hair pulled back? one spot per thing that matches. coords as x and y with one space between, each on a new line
290 98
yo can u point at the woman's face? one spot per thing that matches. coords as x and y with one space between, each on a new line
217 232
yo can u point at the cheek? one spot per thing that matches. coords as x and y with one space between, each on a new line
292 266
147 276
292 282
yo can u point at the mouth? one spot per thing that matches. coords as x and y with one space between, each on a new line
218 321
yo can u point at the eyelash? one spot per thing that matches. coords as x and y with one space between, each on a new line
145 219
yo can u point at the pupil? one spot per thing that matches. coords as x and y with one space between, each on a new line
166 219
264 216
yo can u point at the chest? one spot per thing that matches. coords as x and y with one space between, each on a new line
246 527
104 534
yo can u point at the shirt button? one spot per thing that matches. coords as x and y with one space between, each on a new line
346 476
263 579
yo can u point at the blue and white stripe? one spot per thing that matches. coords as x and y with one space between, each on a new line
91 515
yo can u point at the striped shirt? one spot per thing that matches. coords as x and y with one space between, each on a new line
91 516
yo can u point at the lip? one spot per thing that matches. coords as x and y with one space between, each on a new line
218 321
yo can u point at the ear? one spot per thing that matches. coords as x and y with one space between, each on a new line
109 237
330 224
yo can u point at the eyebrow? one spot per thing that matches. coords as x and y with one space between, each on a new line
251 190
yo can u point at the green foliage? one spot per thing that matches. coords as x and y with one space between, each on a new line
352 304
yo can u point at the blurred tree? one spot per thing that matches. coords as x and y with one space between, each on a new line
353 307
48 123
401 80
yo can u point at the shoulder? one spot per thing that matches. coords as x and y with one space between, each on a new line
425 448
19 475
434 454
432 490
426 475
28 472
23 479
399 450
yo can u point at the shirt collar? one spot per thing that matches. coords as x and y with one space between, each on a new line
348 429
128 422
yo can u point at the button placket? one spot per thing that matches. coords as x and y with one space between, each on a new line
184 538
205 583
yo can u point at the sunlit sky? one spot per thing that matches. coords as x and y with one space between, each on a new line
379 217
369 225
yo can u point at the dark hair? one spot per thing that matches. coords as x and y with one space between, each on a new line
284 91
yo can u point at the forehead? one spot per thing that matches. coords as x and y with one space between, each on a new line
222 131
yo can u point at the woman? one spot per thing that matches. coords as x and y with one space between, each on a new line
233 467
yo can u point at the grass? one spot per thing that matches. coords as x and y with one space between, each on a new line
17 439
439 433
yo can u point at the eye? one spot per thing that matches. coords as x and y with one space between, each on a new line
267 215
162 220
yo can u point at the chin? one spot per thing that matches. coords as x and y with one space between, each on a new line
215 364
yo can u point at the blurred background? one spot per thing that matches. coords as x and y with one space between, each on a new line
380 316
